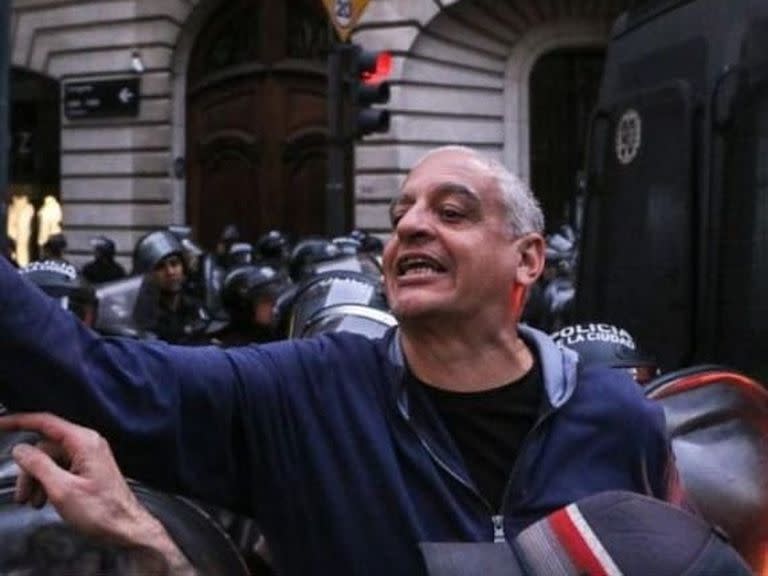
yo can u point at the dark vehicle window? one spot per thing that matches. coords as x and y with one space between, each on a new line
742 305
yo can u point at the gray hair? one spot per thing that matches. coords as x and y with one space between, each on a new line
524 213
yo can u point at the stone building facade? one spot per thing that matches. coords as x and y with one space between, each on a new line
461 75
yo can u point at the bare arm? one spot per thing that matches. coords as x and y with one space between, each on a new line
73 468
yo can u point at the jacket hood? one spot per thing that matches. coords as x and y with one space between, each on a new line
558 365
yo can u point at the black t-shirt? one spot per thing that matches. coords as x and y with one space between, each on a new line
489 427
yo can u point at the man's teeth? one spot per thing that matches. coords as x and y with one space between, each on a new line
420 271
418 267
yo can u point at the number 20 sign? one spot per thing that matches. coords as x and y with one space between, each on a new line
344 14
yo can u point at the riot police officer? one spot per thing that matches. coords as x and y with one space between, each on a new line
55 247
369 243
603 344
164 307
62 282
308 254
273 249
229 236
103 267
249 295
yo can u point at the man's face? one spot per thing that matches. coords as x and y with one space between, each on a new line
452 253
168 274
263 310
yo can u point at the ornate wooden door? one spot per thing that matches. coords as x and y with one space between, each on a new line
256 125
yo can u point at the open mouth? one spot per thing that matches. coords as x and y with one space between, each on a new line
415 266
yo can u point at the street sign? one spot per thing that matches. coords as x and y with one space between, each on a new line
102 98
344 15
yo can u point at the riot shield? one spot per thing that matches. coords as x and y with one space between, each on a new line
38 539
117 307
717 420
339 301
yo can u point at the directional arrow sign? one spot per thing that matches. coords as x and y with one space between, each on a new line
125 95
102 98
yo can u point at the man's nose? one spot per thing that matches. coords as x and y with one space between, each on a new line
415 223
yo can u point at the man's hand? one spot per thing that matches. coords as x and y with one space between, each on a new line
73 468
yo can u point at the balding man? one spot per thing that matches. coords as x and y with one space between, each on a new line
458 425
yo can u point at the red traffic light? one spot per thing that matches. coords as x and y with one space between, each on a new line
380 71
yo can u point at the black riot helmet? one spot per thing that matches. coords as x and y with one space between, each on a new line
349 245
180 231
244 285
239 254
250 279
561 251
368 242
61 281
229 234
55 246
309 252
602 344
192 252
103 247
271 247
154 247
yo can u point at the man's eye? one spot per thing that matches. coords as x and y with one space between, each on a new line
451 214
395 217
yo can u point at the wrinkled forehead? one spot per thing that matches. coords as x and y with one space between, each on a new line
450 171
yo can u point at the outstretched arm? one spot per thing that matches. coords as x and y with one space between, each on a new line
73 468
169 413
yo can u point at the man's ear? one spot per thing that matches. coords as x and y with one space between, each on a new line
532 249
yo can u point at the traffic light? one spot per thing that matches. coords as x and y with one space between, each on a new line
367 85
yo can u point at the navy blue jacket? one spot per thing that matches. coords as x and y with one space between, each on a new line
343 461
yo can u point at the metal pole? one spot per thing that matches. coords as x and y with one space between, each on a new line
335 189
5 56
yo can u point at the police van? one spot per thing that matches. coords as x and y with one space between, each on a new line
675 222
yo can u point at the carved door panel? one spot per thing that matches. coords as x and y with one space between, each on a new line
256 145
223 159
302 155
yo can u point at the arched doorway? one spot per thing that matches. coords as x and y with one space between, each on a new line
563 85
256 119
